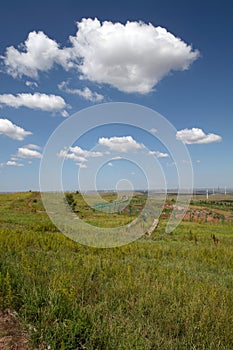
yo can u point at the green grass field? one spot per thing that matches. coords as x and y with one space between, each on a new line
168 291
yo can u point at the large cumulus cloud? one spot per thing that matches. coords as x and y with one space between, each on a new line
131 57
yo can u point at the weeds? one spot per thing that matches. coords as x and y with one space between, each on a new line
162 293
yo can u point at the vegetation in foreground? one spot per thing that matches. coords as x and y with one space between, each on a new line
163 292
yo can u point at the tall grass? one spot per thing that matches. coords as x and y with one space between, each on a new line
167 292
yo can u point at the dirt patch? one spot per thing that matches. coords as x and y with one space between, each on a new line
12 335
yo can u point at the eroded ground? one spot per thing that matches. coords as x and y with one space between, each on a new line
12 336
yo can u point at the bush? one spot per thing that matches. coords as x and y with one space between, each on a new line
70 200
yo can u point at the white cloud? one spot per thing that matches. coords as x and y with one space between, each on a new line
153 130
110 164
79 155
37 100
120 144
158 154
13 163
32 146
65 154
39 53
29 152
11 130
117 158
84 153
31 83
86 93
133 57
64 114
82 166
196 136
198 161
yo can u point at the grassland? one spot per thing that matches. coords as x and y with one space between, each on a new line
166 292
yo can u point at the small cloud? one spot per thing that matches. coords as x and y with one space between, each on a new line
65 154
39 54
28 152
110 164
116 158
198 161
153 130
64 114
120 144
158 154
13 163
196 136
31 83
48 103
82 166
32 146
85 153
86 93
13 131
133 173
62 153
78 154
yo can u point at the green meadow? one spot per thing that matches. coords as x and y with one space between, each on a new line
165 292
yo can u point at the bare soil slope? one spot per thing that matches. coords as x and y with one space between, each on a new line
12 336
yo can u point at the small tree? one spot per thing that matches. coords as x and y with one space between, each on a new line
70 200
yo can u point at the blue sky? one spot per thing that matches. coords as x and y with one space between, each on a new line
183 71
